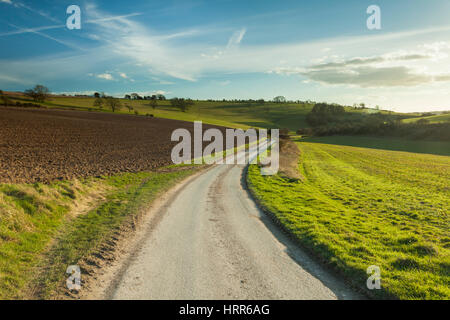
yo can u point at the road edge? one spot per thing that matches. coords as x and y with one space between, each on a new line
103 277
313 255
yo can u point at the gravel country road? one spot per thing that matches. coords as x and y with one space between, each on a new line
214 243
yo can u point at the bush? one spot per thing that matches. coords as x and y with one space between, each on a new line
181 103
323 113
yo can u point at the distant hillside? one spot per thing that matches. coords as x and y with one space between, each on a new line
442 117
225 113
230 114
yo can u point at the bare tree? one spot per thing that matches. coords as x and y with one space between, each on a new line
113 103
153 103
39 93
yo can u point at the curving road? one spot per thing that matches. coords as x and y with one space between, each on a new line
214 243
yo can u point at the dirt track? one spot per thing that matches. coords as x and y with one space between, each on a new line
45 145
218 247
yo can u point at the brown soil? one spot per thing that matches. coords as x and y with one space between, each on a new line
44 145
289 155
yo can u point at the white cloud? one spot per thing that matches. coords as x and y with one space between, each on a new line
123 75
105 76
6 1
368 76
141 93
398 68
74 93
236 38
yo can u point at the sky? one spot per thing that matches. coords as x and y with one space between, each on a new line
318 50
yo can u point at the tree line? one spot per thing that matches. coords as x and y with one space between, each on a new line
331 119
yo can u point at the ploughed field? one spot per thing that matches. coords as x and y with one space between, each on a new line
44 145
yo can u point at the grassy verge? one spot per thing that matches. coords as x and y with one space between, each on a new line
45 228
358 207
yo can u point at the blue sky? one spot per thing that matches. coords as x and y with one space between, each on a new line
309 50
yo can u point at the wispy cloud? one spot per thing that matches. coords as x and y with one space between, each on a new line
61 26
44 14
31 30
369 60
236 38
65 43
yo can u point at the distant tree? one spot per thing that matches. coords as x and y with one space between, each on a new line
153 104
39 93
160 97
113 103
181 103
136 96
96 95
323 113
98 102
5 99
128 107
279 99
128 97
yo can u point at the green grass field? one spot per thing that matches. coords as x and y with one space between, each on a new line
431 119
395 144
229 114
45 228
358 207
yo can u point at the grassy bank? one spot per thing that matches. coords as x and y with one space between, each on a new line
358 207
45 228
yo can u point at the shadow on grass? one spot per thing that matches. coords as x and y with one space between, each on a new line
385 143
